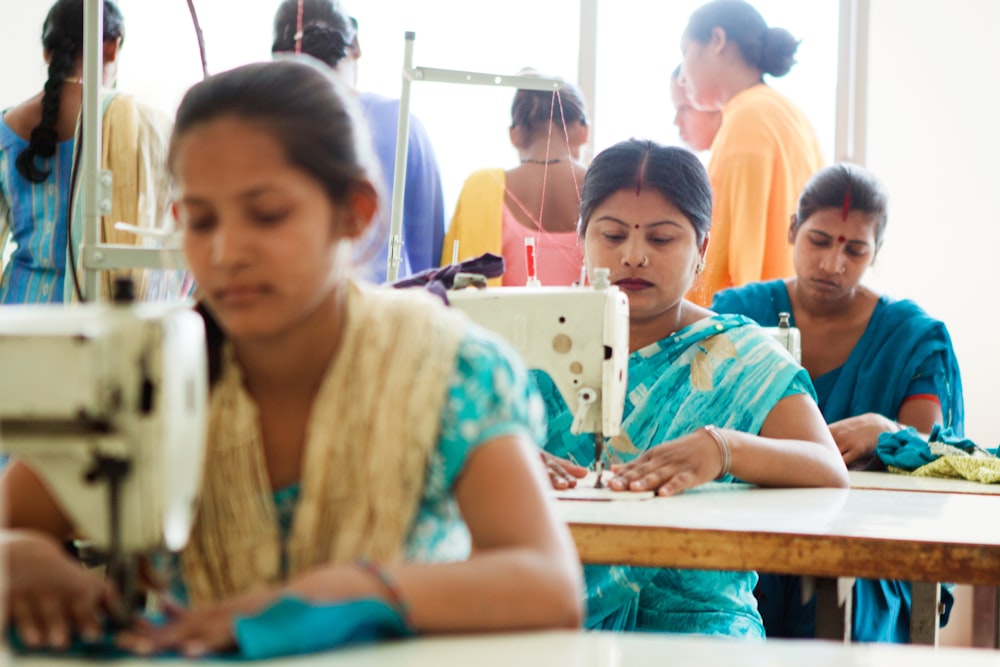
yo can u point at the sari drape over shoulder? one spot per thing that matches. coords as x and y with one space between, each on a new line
721 370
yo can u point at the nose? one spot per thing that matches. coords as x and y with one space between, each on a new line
633 253
832 262
229 245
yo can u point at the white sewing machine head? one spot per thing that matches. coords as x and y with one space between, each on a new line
788 336
578 335
108 406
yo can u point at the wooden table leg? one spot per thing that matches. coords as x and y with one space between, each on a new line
925 614
985 619
834 612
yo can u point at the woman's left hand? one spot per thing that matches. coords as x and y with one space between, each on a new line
671 467
194 632
857 437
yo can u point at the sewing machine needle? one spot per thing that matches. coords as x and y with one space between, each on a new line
599 459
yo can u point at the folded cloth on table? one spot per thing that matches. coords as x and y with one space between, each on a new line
942 454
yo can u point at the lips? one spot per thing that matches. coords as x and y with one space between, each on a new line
819 283
633 284
237 295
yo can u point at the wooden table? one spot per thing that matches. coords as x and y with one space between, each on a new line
827 533
593 649
985 599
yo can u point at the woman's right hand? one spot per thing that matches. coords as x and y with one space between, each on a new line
562 473
49 595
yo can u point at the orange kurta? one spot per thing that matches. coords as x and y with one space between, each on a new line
761 158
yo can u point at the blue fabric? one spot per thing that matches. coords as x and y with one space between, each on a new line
37 221
902 352
291 626
908 450
295 627
423 203
721 370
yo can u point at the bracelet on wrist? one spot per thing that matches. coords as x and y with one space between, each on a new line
393 592
723 445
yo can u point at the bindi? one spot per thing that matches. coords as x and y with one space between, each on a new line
842 239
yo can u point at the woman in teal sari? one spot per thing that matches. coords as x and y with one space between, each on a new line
876 364
709 396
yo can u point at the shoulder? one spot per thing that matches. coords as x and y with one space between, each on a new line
751 300
896 313
491 179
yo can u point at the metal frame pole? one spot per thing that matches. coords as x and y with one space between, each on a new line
411 74
93 60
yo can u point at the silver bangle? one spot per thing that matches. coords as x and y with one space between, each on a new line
723 445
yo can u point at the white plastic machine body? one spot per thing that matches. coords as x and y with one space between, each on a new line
788 336
108 405
577 335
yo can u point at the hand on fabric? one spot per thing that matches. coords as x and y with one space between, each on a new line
671 467
194 632
857 436
50 596
562 473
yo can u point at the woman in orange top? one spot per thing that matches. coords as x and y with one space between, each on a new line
765 150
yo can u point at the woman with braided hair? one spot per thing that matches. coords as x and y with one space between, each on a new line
37 151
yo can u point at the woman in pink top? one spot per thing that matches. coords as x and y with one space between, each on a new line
540 198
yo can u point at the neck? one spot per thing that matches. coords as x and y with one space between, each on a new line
294 362
802 305
738 78
645 331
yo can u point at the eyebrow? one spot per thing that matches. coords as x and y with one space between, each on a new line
611 218
245 195
830 236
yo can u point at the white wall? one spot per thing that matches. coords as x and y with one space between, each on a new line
934 138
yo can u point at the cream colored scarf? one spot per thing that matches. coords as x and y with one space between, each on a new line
372 429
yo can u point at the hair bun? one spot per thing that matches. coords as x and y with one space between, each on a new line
778 48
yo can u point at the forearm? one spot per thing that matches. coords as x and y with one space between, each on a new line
779 462
511 588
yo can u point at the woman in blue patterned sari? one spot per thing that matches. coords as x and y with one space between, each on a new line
876 363
709 396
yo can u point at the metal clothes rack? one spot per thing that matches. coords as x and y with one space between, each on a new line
412 74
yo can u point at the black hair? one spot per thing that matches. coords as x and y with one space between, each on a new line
62 39
532 109
771 50
327 30
311 115
845 187
676 173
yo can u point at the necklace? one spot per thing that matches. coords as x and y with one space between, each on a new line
534 161
73 79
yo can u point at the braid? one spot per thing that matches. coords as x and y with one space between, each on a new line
44 137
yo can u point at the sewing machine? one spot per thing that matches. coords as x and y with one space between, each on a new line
788 336
108 405
578 335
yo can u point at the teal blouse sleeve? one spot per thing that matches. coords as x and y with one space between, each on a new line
490 396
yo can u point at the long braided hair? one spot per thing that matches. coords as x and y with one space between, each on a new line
62 39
